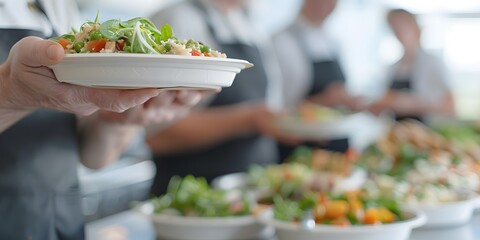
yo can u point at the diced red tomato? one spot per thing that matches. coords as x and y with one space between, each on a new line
96 45
206 54
64 42
196 53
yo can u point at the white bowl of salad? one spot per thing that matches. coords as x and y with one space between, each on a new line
135 54
192 210
342 217
448 214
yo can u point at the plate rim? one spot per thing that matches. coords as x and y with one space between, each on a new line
72 56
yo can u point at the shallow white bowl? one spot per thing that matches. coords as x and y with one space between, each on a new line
127 70
448 214
202 228
394 231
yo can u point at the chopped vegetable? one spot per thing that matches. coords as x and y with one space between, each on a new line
341 210
137 35
192 196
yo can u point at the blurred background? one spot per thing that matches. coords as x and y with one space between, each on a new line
451 31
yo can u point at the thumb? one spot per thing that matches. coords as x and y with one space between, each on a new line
36 52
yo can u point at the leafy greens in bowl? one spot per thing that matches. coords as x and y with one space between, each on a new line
192 210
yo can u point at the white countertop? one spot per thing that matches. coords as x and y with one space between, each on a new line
132 225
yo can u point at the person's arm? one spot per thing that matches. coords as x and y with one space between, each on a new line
336 95
104 136
402 103
214 125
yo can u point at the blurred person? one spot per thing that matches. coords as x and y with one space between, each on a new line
42 141
418 82
311 68
235 128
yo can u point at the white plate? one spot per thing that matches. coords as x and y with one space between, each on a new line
130 71
393 231
203 228
319 130
448 214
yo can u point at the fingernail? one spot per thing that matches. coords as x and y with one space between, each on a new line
52 52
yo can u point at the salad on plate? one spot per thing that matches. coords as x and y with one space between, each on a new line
137 35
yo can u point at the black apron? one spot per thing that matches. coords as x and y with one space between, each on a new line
405 85
39 190
325 73
235 154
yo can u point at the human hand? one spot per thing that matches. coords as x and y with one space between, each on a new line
26 84
165 107
264 121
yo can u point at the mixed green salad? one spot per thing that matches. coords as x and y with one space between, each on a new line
137 35
192 196
353 208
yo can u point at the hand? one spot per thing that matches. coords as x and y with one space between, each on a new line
26 84
264 121
165 107
336 95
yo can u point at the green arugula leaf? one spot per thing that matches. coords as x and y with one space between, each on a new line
166 32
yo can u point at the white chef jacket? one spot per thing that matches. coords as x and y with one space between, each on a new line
20 15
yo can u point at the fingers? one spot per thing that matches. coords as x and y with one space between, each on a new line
164 98
36 52
189 98
118 100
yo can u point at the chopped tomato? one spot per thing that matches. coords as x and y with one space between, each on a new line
196 53
120 44
96 45
206 54
64 42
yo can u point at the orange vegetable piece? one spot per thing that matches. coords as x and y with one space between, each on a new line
336 209
64 42
386 215
372 216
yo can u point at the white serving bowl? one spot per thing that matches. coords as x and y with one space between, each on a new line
448 214
128 70
393 231
201 228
